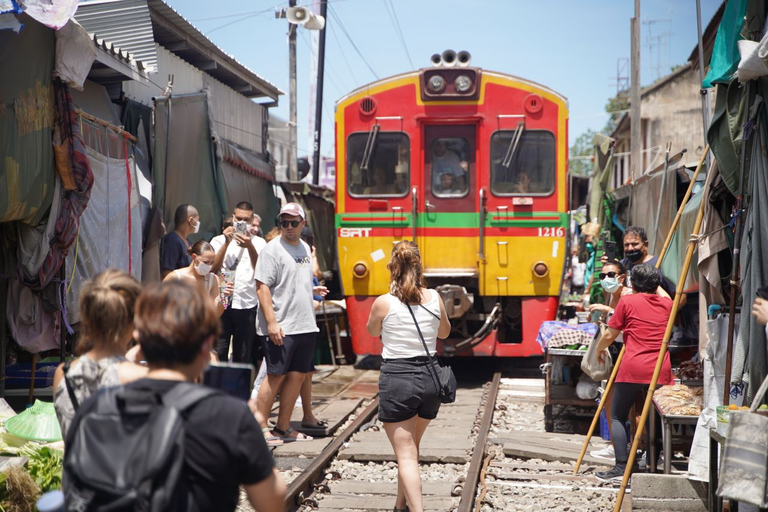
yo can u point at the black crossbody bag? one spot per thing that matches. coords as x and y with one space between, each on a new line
446 383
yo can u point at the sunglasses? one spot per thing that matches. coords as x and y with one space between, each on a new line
608 274
292 223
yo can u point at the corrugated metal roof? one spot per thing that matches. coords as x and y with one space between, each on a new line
125 23
169 13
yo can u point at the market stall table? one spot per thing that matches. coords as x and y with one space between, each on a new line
689 402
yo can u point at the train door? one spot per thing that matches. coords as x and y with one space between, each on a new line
448 225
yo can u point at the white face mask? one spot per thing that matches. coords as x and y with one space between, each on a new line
203 268
197 226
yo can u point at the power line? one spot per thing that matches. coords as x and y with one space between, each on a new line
252 15
398 29
344 55
331 9
330 67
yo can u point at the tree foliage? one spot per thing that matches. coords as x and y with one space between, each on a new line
580 152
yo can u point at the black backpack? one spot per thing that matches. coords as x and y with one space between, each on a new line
127 453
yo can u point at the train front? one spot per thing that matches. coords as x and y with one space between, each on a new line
470 164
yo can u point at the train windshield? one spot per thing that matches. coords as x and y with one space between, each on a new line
388 158
450 168
531 163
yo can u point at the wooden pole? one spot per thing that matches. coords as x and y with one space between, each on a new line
664 344
636 136
608 386
32 380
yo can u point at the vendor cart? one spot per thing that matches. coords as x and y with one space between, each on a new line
562 393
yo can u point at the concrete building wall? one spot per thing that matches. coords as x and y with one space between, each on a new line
235 117
671 113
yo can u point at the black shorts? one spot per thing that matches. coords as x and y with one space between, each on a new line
296 354
407 387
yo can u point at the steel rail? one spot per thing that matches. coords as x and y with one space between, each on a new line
476 463
306 479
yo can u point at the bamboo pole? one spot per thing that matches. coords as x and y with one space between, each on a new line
682 205
105 124
664 344
664 248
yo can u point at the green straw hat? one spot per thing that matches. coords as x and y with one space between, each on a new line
38 423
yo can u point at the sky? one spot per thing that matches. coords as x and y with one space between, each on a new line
572 46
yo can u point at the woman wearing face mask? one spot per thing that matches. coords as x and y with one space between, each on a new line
613 278
199 272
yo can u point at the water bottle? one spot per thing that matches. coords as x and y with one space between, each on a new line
52 501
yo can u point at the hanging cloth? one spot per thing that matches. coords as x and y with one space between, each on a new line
725 53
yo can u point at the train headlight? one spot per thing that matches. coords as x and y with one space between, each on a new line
540 269
360 270
462 83
436 83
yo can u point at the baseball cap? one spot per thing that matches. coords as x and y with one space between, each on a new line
294 209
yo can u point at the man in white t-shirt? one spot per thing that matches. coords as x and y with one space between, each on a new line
239 258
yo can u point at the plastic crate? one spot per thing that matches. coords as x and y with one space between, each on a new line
19 375
605 432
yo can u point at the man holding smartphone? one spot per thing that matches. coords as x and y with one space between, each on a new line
287 318
239 258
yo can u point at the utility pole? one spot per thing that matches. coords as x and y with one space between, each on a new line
636 125
293 172
319 96
704 93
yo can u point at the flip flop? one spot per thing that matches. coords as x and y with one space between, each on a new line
271 439
285 435
318 425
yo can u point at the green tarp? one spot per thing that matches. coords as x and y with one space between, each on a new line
26 121
725 54
673 259
725 131
192 176
601 175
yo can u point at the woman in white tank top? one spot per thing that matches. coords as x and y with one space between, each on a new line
408 391
199 272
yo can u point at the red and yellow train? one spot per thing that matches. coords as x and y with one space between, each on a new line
471 164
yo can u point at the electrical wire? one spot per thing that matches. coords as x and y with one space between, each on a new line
249 16
312 51
344 55
396 22
331 9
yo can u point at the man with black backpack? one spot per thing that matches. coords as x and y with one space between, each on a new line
164 443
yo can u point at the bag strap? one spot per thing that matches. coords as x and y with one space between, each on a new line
186 394
423 342
70 387
758 398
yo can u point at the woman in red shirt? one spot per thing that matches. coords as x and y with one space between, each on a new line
642 317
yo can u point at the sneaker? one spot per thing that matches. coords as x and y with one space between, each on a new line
614 475
606 453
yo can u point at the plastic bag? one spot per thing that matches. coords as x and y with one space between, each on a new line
591 366
744 467
586 389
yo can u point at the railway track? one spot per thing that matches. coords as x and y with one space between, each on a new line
454 457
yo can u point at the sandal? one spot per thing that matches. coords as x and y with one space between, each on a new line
319 424
271 439
286 437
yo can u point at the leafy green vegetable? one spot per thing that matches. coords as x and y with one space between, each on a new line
44 464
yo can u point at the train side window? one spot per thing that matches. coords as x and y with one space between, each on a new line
449 158
388 172
531 169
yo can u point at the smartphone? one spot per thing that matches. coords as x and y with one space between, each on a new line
762 292
235 379
610 250
241 227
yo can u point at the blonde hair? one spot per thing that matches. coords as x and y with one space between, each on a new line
106 308
406 273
